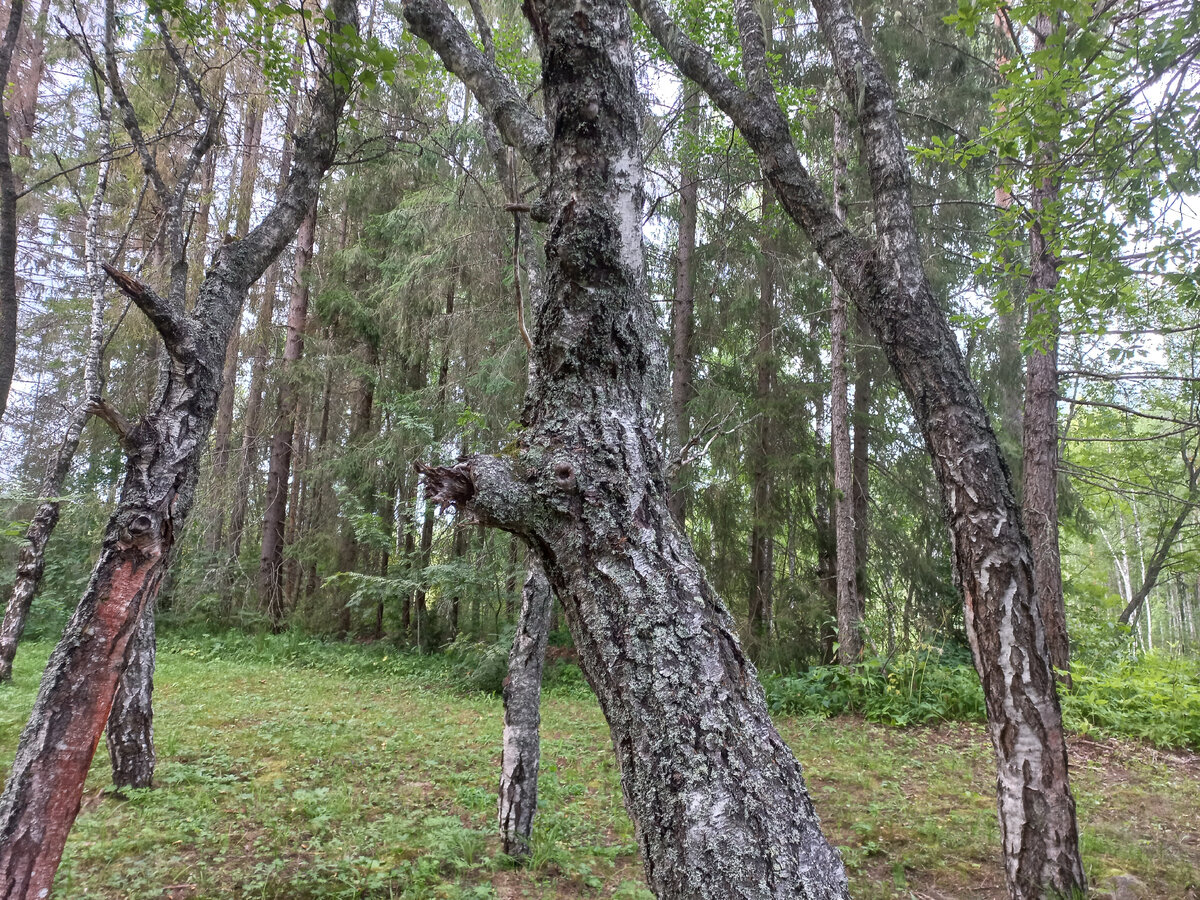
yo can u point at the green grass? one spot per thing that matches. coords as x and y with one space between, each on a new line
294 770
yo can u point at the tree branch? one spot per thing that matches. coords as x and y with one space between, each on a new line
763 124
172 324
436 24
485 488
128 113
107 413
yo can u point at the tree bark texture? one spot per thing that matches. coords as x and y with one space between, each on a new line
849 616
716 797
8 216
270 569
130 730
1039 484
522 716
887 282
42 795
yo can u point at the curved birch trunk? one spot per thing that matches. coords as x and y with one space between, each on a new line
522 716
886 279
717 798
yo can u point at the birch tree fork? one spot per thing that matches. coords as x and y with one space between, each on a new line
716 797
887 282
163 450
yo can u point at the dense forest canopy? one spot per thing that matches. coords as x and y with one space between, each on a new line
358 322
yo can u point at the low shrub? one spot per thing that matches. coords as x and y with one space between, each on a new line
910 689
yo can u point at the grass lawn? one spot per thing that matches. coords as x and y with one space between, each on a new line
376 779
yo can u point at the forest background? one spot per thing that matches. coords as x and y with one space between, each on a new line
390 333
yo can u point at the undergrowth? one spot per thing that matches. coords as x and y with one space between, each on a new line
1153 698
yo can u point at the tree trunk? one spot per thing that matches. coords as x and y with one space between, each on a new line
261 351
1039 493
861 417
223 439
270 571
522 716
849 616
683 311
42 795
131 722
8 217
762 538
716 797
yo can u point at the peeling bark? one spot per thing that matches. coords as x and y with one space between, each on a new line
130 731
522 716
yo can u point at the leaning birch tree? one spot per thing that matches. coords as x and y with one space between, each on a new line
886 280
716 796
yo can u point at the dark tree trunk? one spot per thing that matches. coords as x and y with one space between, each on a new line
887 282
42 795
849 616
223 432
130 729
716 797
863 374
8 216
362 482
251 435
270 571
424 554
523 717
683 311
1039 489
762 527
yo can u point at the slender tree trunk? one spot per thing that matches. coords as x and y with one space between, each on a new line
762 538
363 482
849 616
861 417
8 217
1039 494
424 555
42 795
683 312
31 559
223 440
270 572
716 797
522 716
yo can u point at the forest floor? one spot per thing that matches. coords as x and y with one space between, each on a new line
367 780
